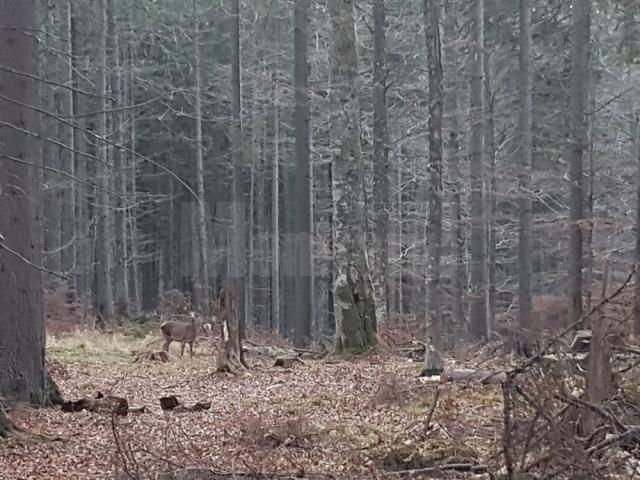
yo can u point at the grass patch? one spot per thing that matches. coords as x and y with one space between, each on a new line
94 347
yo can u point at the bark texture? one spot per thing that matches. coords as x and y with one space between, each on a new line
303 286
580 38
434 189
22 343
478 313
524 177
354 304
381 155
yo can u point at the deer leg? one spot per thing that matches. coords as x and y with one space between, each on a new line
182 349
167 342
191 348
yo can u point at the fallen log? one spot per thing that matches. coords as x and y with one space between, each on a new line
104 404
171 403
470 375
439 471
208 474
159 356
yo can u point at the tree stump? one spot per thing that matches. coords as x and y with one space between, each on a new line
6 426
230 356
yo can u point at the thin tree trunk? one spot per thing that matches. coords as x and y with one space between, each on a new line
434 192
203 262
275 217
134 277
580 38
52 206
455 179
478 311
70 221
104 296
303 285
381 155
524 174
238 218
354 305
636 304
490 190
120 277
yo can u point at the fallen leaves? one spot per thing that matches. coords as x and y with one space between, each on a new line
319 418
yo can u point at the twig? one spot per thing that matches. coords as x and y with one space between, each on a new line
506 412
3 246
458 467
434 403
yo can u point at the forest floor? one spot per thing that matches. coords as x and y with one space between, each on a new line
351 418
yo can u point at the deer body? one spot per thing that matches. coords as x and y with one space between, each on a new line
183 332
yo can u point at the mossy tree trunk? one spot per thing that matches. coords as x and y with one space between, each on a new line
354 300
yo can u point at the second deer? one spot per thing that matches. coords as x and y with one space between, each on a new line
183 332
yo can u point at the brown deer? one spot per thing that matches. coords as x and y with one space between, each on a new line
183 332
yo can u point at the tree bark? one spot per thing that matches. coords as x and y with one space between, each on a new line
70 225
203 266
434 192
230 356
120 277
104 295
303 293
524 174
636 304
580 39
275 216
353 296
455 173
478 311
22 343
238 208
381 155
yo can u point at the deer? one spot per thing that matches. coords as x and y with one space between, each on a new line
183 332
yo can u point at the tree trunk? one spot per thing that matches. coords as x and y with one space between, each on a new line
238 208
230 356
381 156
599 383
70 222
490 188
120 277
434 192
636 305
478 311
275 217
580 37
202 274
104 296
50 98
303 293
524 175
457 226
354 305
22 343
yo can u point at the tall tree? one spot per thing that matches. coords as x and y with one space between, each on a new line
354 305
238 208
381 153
22 343
434 191
104 290
580 47
120 273
478 313
203 265
303 294
524 177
